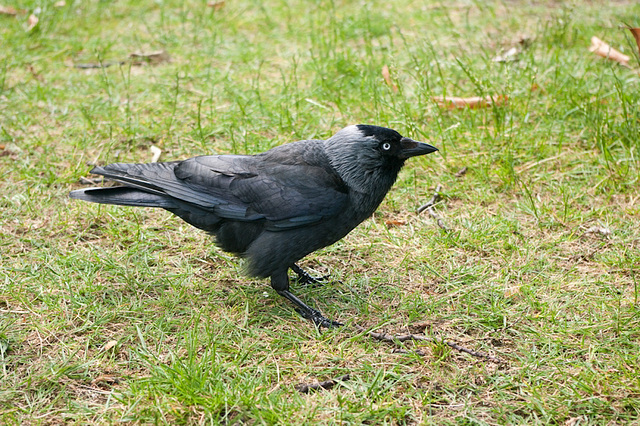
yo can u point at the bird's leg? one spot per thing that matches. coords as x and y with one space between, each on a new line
308 312
305 278
280 283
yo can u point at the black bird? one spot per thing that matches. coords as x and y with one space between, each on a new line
276 207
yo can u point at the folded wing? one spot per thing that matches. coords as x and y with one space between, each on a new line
233 187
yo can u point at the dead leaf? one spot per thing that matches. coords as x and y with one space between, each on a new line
11 150
156 153
508 56
601 230
387 78
32 21
33 72
152 58
109 345
453 102
517 47
393 222
636 35
60 3
8 10
11 11
512 291
419 327
524 40
574 421
105 379
216 5
536 87
601 48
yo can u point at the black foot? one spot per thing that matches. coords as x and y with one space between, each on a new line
308 312
305 278
318 319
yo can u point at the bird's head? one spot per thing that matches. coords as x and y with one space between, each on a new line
367 156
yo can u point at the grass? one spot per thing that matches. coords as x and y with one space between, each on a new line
112 314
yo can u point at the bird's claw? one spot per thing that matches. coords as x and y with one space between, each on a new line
306 278
328 323
318 319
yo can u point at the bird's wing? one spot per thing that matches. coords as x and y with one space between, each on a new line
237 187
253 188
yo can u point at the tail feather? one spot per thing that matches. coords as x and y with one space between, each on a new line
139 176
159 179
124 196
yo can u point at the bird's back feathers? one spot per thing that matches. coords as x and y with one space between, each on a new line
286 187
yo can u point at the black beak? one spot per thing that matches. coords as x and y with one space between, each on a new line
411 148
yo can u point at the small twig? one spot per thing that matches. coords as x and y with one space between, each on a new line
136 58
461 172
384 337
92 65
4 347
404 351
327 384
474 353
434 199
526 167
96 390
397 339
437 218
91 181
17 311
428 206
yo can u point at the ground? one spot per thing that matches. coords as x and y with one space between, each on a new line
114 314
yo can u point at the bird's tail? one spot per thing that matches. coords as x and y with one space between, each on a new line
139 190
123 196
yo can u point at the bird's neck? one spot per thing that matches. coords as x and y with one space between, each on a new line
370 189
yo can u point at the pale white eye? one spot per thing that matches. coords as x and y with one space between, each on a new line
386 146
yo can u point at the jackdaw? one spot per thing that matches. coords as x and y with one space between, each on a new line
276 207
